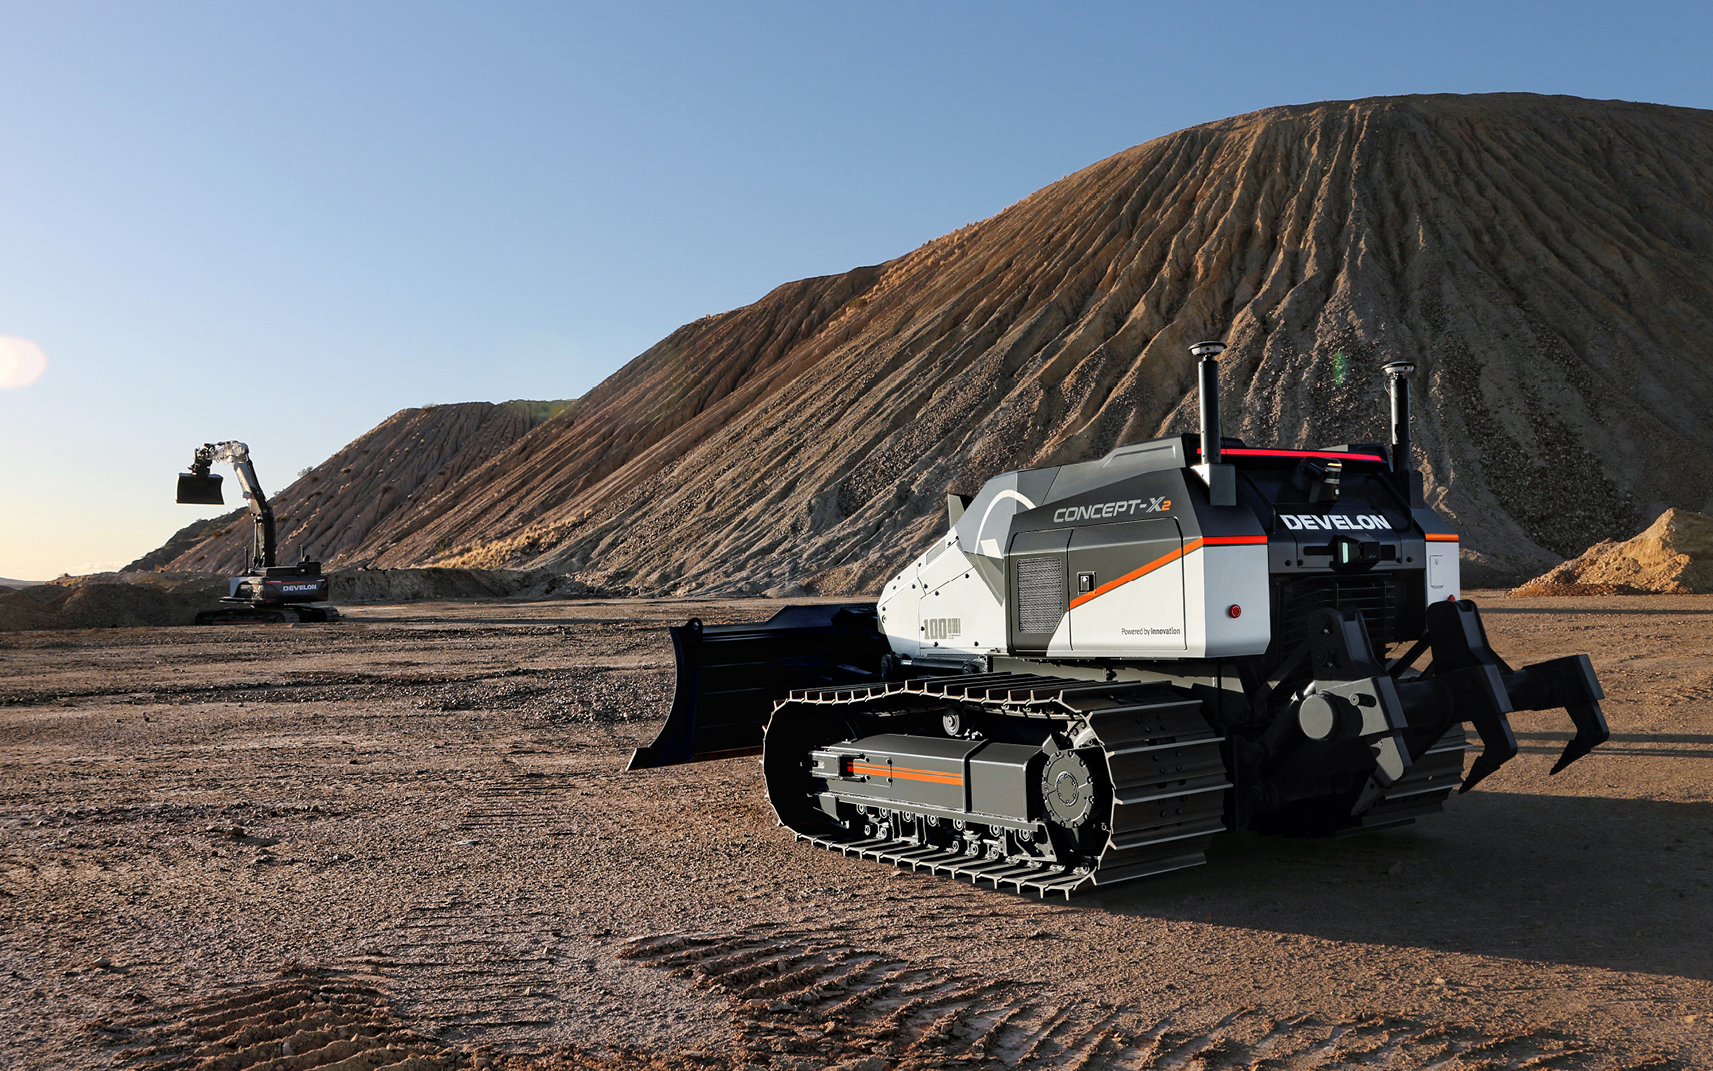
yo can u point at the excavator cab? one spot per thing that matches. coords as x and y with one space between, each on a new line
203 490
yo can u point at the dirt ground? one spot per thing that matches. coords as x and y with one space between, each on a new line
408 840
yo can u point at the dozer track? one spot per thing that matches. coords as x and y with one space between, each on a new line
1156 788
1422 791
1139 790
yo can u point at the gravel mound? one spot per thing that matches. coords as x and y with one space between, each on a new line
811 436
1674 556
407 585
110 600
140 599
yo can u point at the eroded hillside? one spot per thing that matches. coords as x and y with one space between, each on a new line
1548 262
370 485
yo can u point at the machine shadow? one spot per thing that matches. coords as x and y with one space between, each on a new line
1487 607
1608 883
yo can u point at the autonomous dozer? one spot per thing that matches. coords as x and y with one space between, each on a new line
269 593
1101 665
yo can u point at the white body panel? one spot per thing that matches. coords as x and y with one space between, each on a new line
941 606
1442 571
1143 618
1217 578
1181 610
900 610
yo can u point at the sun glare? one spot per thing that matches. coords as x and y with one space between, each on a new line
22 362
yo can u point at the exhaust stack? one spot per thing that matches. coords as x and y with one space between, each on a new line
1221 479
1403 466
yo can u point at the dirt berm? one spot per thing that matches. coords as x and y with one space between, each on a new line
124 600
1673 556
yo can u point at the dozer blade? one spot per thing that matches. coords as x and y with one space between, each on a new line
200 490
730 675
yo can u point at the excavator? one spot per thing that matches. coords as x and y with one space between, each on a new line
1100 666
268 593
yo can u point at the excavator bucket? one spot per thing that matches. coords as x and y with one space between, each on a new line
200 490
730 675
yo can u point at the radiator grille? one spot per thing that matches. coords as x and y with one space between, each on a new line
1379 598
1040 594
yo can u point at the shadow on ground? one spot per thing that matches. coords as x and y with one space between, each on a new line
1612 883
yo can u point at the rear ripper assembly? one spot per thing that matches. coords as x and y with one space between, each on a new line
1101 665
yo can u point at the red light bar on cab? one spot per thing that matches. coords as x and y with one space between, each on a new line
1233 451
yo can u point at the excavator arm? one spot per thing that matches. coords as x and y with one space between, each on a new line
200 486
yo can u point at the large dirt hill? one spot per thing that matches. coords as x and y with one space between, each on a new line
1547 260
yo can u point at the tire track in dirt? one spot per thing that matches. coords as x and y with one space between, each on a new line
802 1004
799 1000
519 970
306 1019
469 971
803 997
797 997
536 803
473 969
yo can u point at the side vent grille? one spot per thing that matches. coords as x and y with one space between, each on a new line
1040 594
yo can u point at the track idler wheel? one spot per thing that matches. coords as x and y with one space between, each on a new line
1074 798
1067 787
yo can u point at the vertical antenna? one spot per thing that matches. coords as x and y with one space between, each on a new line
1398 385
1221 479
1208 354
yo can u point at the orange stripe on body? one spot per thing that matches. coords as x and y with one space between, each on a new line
1136 574
1192 545
904 774
1435 537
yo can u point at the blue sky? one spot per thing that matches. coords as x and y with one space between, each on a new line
283 222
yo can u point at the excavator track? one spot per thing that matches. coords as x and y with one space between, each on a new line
1156 780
